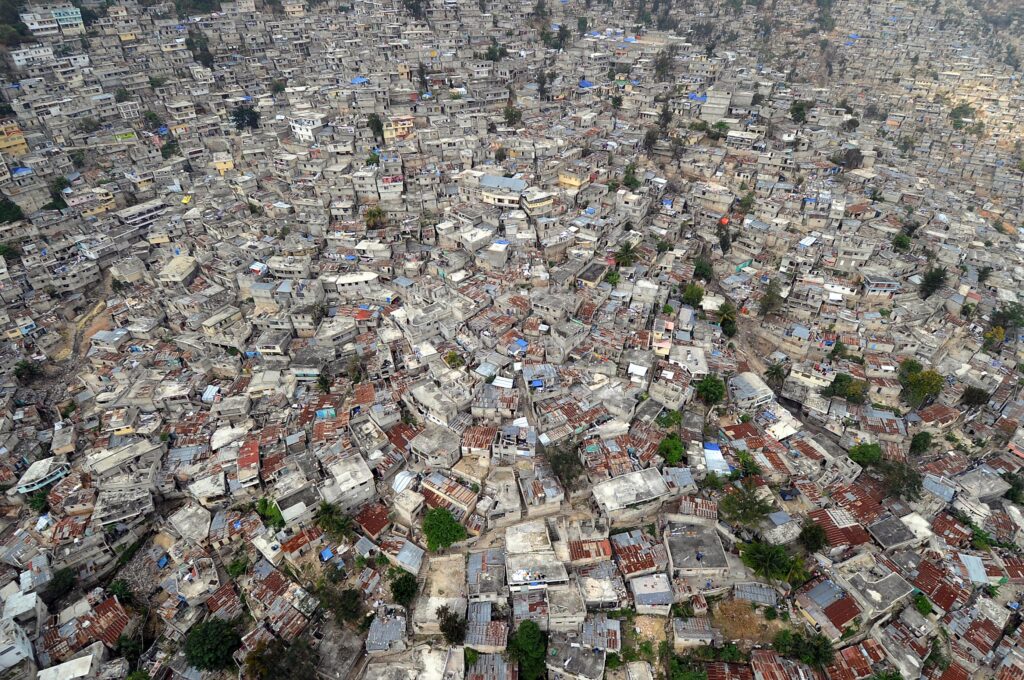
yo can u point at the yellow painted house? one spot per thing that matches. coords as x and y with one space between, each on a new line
223 162
398 128
12 139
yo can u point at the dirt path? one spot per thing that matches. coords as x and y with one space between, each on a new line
100 322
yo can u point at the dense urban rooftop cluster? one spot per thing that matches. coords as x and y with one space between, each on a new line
497 340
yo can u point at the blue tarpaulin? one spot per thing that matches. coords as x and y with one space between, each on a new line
359 80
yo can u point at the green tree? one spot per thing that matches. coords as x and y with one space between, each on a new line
727 318
10 211
452 625
693 295
934 279
767 561
669 419
62 583
814 650
130 648
138 675
616 101
744 507
89 125
152 120
26 371
671 449
901 242
415 8
39 501
238 566
271 514
441 529
920 443
685 669
629 178
528 647
581 24
865 454
650 139
501 154
278 660
375 218
664 62
909 367
564 36
776 373
984 273
565 464
886 675
542 84
772 300
278 86
513 116
922 604
812 536
626 255
245 117
711 391
57 187
798 110
746 203
845 386
211 644
346 605
334 522
170 148
702 269
921 386
975 396
712 481
403 589
901 480
120 589
376 126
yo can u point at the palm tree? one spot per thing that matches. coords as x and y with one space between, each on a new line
797 574
776 373
626 255
727 312
767 561
334 522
